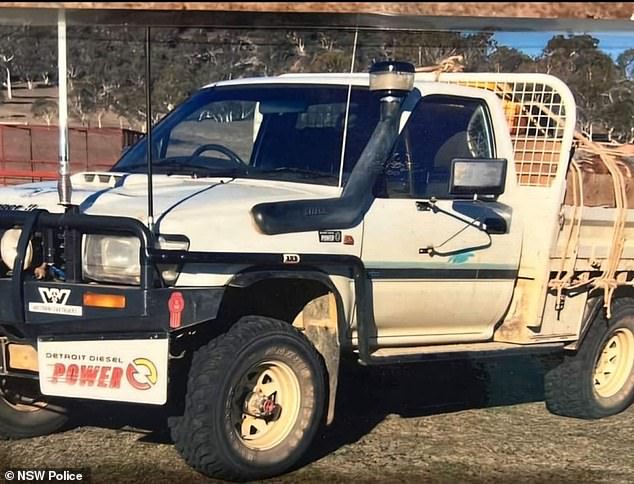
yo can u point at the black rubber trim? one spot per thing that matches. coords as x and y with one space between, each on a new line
442 273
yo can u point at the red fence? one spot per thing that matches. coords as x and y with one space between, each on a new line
30 153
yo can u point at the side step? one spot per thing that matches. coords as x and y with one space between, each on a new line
488 349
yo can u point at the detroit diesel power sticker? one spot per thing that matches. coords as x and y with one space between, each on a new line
117 370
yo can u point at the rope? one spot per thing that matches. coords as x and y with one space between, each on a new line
569 259
453 63
607 280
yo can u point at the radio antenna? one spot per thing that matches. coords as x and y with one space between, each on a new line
148 129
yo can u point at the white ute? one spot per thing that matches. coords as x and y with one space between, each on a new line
391 216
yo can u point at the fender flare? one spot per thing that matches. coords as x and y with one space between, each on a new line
593 306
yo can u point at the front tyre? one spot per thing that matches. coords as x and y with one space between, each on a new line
598 380
254 402
24 413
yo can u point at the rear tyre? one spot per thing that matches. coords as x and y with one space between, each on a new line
24 413
255 400
598 380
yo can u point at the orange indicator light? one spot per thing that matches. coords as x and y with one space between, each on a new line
112 301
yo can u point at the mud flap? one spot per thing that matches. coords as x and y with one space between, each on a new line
122 370
3 356
326 342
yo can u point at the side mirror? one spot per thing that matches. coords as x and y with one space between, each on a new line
477 176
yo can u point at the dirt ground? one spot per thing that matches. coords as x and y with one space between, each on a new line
439 423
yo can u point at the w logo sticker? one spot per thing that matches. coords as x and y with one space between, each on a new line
55 301
54 295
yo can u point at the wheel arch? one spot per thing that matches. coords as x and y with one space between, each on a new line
594 306
248 278
258 291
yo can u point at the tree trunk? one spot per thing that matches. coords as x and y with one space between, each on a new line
29 84
9 90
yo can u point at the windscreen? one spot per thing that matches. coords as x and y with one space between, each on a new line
285 132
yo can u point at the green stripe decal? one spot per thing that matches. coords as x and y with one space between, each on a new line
442 273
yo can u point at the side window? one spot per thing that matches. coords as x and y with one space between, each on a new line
440 129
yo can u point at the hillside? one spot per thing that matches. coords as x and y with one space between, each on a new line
19 110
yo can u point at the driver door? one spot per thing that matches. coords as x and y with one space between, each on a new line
436 275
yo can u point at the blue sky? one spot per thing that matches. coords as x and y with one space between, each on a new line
532 43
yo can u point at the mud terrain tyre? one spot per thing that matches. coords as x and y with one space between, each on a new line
255 399
598 380
20 419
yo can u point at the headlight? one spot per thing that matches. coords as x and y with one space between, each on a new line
9 248
108 258
112 259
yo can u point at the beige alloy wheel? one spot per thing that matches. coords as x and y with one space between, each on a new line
269 396
614 364
255 400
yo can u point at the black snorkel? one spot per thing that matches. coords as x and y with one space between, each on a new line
391 82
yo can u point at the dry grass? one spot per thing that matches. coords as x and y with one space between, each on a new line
429 423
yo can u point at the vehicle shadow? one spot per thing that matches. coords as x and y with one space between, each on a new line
367 395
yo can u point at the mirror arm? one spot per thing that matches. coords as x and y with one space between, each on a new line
431 205
476 223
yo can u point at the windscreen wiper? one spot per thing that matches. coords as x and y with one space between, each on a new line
298 171
169 166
